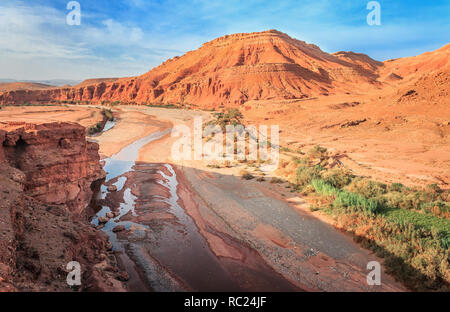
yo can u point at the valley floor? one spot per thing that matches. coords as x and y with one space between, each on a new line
231 234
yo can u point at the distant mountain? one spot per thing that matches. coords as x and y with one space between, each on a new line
234 69
51 82
17 86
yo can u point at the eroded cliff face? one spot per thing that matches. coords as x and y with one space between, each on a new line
46 172
228 71
58 163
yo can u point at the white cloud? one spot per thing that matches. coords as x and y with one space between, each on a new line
23 33
36 43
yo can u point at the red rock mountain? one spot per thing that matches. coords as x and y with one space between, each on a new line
230 71
234 69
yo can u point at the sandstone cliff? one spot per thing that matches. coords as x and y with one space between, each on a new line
46 172
58 163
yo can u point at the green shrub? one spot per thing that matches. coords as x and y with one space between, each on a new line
231 117
356 202
433 189
305 175
421 221
415 256
95 129
285 149
248 176
317 152
170 106
367 188
108 114
347 200
396 187
337 177
324 188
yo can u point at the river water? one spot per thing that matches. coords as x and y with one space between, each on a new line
167 254
115 167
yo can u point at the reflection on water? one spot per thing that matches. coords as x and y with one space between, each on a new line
124 209
109 125
125 160
117 166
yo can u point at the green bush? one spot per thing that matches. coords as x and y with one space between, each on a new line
347 200
431 201
317 152
367 188
396 187
170 106
433 189
246 175
276 180
108 114
324 188
95 129
421 221
305 175
356 202
337 177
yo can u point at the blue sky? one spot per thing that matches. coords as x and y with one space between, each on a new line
128 37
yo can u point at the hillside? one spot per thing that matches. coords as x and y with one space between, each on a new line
230 71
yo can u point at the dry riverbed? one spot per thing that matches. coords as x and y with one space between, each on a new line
182 225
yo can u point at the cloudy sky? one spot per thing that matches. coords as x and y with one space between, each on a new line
119 38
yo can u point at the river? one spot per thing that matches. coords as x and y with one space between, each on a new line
167 253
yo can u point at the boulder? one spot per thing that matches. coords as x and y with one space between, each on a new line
119 228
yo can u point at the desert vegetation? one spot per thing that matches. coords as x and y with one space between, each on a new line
108 114
98 127
407 226
95 129
231 117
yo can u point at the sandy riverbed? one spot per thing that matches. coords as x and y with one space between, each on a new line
248 226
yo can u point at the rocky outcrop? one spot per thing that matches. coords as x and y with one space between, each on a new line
45 176
58 163
228 71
